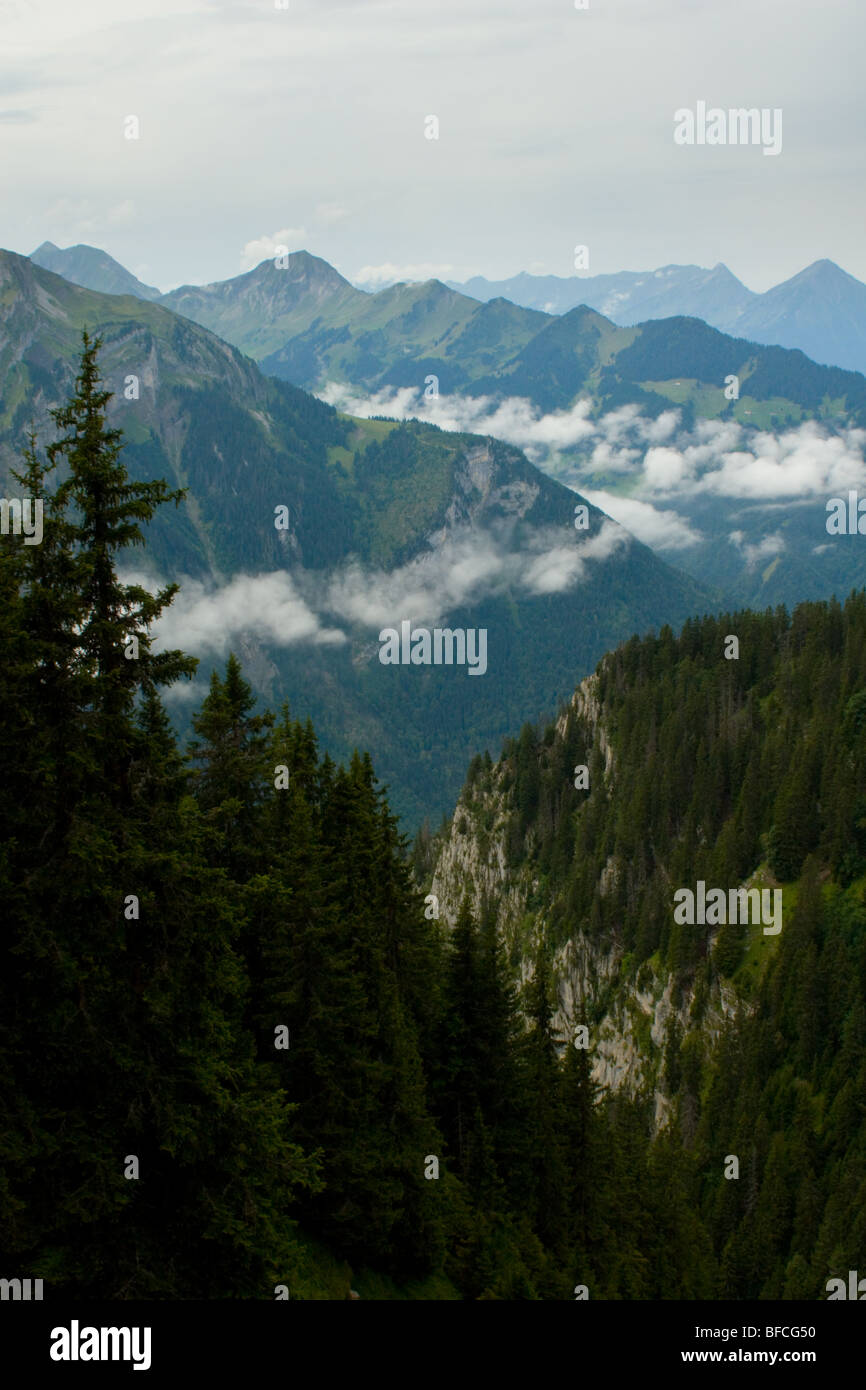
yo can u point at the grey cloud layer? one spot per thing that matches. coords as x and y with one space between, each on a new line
528 163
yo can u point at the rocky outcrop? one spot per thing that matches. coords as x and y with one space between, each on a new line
628 1013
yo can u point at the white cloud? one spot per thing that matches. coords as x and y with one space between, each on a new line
17 116
122 214
515 419
808 460
378 276
231 91
664 459
462 569
661 529
69 220
666 470
563 566
264 247
764 550
732 460
184 692
658 430
205 619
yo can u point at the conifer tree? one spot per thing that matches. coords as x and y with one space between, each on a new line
142 1153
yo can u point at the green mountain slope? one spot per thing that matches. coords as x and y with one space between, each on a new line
756 547
383 520
308 1077
746 1043
680 362
402 335
260 310
306 324
657 383
536 1082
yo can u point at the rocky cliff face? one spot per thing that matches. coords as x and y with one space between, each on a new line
628 1013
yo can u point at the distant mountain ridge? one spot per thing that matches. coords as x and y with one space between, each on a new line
381 353
383 519
821 310
626 297
92 269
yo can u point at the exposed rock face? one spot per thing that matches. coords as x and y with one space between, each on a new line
628 1014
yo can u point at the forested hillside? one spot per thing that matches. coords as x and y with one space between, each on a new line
743 771
236 1053
240 1051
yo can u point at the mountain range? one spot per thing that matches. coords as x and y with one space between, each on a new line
716 1041
303 322
732 490
821 310
385 522
729 484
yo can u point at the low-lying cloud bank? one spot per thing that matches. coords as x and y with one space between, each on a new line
282 609
659 528
515 419
717 456
466 568
268 607
660 460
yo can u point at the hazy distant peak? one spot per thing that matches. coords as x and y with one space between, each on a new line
92 269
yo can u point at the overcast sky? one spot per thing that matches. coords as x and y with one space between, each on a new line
307 125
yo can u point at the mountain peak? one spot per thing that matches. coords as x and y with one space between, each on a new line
581 314
301 265
92 269
264 308
822 269
823 277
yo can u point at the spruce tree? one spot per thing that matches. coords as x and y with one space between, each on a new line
142 1153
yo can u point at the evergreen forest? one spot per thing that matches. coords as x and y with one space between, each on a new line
239 1051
